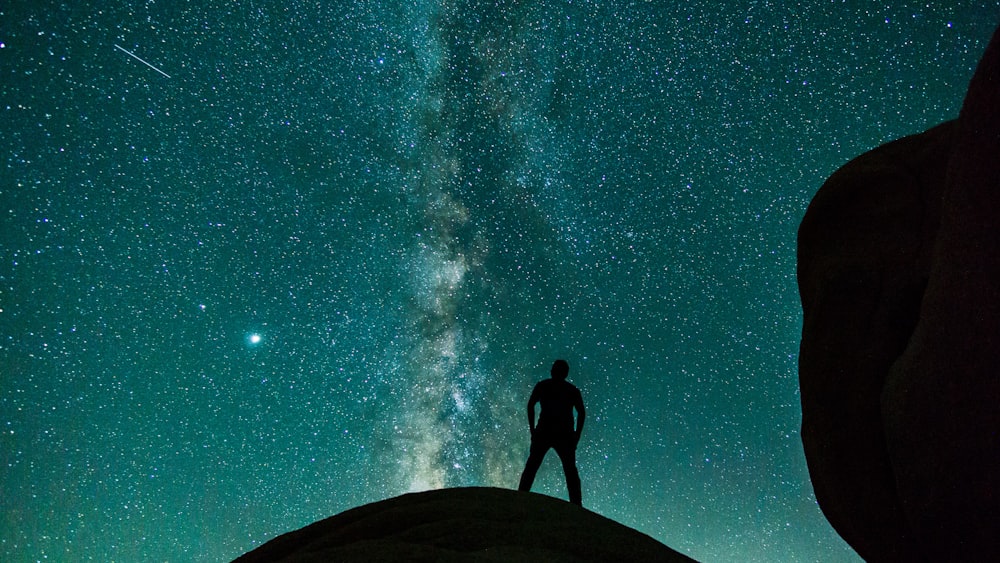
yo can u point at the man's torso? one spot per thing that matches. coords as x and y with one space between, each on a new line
557 399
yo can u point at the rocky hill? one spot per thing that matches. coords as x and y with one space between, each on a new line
465 524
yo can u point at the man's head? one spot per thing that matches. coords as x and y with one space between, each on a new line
560 369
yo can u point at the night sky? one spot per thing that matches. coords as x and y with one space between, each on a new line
263 262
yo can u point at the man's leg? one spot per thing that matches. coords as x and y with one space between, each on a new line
535 457
567 454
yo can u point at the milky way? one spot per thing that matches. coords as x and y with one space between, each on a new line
467 130
263 263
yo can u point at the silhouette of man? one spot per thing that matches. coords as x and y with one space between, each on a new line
555 428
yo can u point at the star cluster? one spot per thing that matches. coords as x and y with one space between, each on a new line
265 262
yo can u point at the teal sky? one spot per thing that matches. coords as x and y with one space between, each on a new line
265 262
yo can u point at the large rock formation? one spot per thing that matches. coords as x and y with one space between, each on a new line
899 274
465 524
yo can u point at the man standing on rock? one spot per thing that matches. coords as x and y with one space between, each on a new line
555 428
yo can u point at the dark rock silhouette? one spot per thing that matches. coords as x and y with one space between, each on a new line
465 524
864 261
899 274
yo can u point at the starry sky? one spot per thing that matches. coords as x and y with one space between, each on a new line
263 262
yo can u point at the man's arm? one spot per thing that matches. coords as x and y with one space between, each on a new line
581 415
531 411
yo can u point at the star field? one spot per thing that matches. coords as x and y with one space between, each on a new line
266 262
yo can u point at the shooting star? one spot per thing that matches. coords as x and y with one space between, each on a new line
136 57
